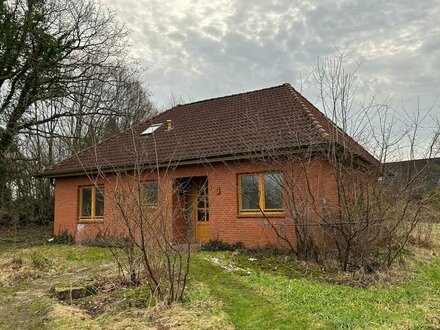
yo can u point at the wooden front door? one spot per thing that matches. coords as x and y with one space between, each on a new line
201 213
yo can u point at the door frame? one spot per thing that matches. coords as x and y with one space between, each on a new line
201 228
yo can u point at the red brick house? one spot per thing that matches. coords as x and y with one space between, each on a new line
227 157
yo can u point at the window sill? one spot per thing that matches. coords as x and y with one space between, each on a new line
261 215
85 221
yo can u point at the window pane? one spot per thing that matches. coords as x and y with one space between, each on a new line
203 189
249 192
201 215
99 202
202 196
86 205
273 191
150 193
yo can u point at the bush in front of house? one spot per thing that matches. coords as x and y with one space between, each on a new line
217 245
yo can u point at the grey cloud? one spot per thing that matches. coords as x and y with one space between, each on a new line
209 48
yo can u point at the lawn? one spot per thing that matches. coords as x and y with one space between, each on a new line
226 290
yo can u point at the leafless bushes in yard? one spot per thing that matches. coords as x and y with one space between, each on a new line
140 234
361 219
363 216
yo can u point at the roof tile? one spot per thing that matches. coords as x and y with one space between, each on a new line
268 119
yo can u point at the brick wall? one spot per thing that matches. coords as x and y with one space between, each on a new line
225 222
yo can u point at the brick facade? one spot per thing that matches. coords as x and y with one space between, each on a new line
225 224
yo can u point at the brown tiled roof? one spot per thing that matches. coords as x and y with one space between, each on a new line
275 118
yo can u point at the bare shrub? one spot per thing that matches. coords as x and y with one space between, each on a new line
424 234
364 215
140 235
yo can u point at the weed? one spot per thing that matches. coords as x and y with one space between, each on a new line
216 245
138 297
63 238
39 261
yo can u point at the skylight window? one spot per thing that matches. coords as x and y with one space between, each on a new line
151 129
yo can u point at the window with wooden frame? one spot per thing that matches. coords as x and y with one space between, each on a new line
91 202
260 192
150 193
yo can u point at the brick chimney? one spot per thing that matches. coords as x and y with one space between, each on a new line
169 125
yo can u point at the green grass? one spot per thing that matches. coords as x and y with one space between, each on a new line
276 294
246 309
267 300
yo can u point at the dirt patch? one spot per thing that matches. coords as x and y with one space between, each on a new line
118 306
97 300
73 291
112 316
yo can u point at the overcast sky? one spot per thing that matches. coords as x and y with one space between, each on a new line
200 49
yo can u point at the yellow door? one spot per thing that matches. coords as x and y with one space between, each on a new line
201 213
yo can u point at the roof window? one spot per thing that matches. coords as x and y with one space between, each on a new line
151 129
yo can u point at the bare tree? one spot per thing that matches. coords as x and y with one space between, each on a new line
364 215
151 245
50 49
152 254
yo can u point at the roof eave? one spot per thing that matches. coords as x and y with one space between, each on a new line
186 162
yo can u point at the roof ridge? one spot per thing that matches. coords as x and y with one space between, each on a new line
321 130
232 95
